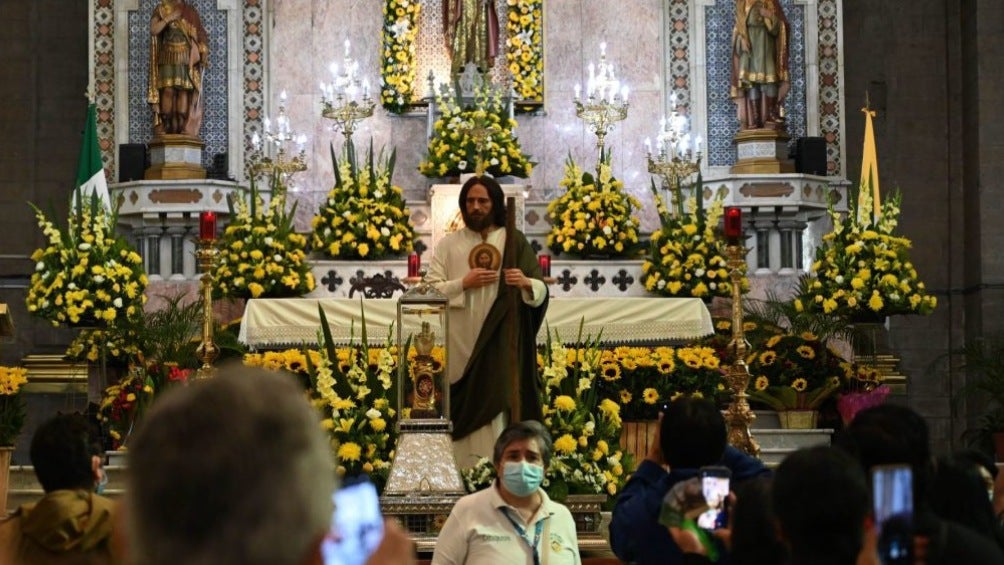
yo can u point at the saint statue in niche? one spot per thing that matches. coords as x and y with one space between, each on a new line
759 80
179 52
471 28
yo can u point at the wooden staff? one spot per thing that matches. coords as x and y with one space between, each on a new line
509 262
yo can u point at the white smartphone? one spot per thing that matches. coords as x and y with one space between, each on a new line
356 526
892 503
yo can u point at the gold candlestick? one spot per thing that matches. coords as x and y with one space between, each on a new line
207 352
347 113
738 415
600 115
672 171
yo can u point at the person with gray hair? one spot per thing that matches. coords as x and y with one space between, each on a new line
235 469
513 521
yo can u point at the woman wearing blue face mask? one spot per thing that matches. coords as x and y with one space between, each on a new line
513 521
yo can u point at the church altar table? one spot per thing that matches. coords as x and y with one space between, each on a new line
279 322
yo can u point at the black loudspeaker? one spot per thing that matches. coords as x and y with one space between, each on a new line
132 161
810 156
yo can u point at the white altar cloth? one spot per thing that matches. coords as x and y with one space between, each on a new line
275 322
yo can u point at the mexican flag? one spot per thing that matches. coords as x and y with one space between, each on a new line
90 172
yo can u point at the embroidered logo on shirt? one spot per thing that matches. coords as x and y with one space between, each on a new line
557 544
490 538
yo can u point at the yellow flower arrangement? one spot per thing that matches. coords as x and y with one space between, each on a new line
642 379
584 426
12 404
95 345
524 52
594 216
85 275
465 136
260 254
863 270
397 60
352 387
686 257
794 372
364 216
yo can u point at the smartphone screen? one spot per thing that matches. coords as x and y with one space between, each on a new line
715 487
892 502
356 526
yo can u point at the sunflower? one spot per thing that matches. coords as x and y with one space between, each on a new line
762 383
611 371
806 352
799 384
666 366
625 396
650 396
768 358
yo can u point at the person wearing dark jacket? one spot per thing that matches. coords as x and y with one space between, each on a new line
691 435
891 434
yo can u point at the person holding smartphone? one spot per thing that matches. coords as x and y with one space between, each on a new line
235 470
691 435
513 521
891 434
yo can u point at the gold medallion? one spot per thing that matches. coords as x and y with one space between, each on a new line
485 256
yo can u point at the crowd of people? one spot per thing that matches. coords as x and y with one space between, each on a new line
220 473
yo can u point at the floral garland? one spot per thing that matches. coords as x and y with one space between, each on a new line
364 216
86 275
464 137
863 270
685 256
524 54
260 254
13 408
594 216
397 69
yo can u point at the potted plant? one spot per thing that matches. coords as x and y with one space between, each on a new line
982 360
794 374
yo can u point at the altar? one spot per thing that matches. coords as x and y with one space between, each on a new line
289 322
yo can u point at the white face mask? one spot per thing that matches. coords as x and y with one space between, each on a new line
522 478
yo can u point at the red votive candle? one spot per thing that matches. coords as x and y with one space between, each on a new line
733 224
414 264
545 264
207 226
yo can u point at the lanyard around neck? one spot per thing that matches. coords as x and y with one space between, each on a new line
538 528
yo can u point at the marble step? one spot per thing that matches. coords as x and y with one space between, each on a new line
775 445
